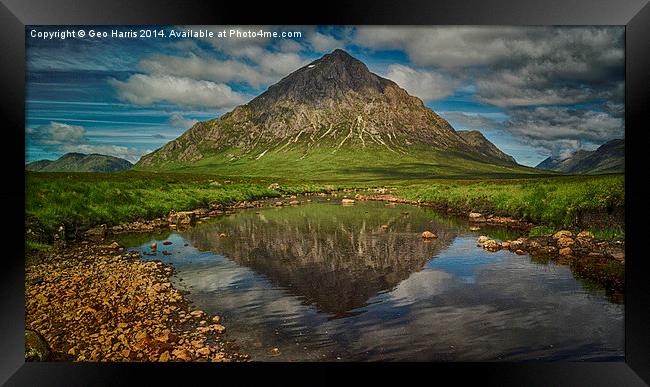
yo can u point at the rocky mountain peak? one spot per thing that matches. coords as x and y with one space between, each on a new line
330 77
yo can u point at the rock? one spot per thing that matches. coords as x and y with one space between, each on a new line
566 251
505 245
294 203
516 244
273 186
275 351
223 235
482 239
384 226
183 218
585 235
347 201
520 252
164 357
97 233
205 351
428 235
563 234
474 228
167 243
197 313
565 242
114 245
218 328
36 348
182 354
216 319
476 217
491 245
278 204
154 246
165 252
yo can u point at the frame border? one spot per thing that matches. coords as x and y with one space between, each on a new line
634 14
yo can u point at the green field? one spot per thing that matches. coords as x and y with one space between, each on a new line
370 164
82 200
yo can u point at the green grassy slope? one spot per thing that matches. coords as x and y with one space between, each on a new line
326 163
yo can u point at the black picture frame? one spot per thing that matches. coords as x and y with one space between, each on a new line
634 14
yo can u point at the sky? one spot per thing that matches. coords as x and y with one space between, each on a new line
534 92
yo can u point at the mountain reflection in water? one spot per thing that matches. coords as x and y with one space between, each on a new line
323 281
334 257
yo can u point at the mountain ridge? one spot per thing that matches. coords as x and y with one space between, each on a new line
80 162
607 158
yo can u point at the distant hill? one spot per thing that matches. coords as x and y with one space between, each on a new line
332 118
483 146
608 158
79 162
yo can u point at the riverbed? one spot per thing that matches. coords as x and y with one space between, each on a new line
321 281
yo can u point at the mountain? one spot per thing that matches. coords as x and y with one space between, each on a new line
79 162
483 146
608 158
330 117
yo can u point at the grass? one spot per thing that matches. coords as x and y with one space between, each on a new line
326 164
82 200
553 202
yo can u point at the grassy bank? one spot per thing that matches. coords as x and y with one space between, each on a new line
553 202
82 200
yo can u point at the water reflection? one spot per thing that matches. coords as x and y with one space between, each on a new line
332 256
327 282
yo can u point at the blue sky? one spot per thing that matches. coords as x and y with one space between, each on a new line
533 91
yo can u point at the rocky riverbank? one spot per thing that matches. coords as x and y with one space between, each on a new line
94 302
599 261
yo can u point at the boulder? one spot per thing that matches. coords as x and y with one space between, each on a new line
491 245
483 239
273 186
97 233
565 242
294 203
520 252
347 201
476 217
585 235
278 204
428 235
181 218
563 234
36 348
566 251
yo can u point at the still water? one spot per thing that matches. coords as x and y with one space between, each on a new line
327 282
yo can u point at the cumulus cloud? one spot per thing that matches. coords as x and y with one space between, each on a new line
201 68
557 131
142 89
324 43
427 85
470 121
178 121
515 66
56 133
64 138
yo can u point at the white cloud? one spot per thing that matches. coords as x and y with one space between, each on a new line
324 43
515 66
201 68
62 137
180 122
56 133
142 89
427 85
